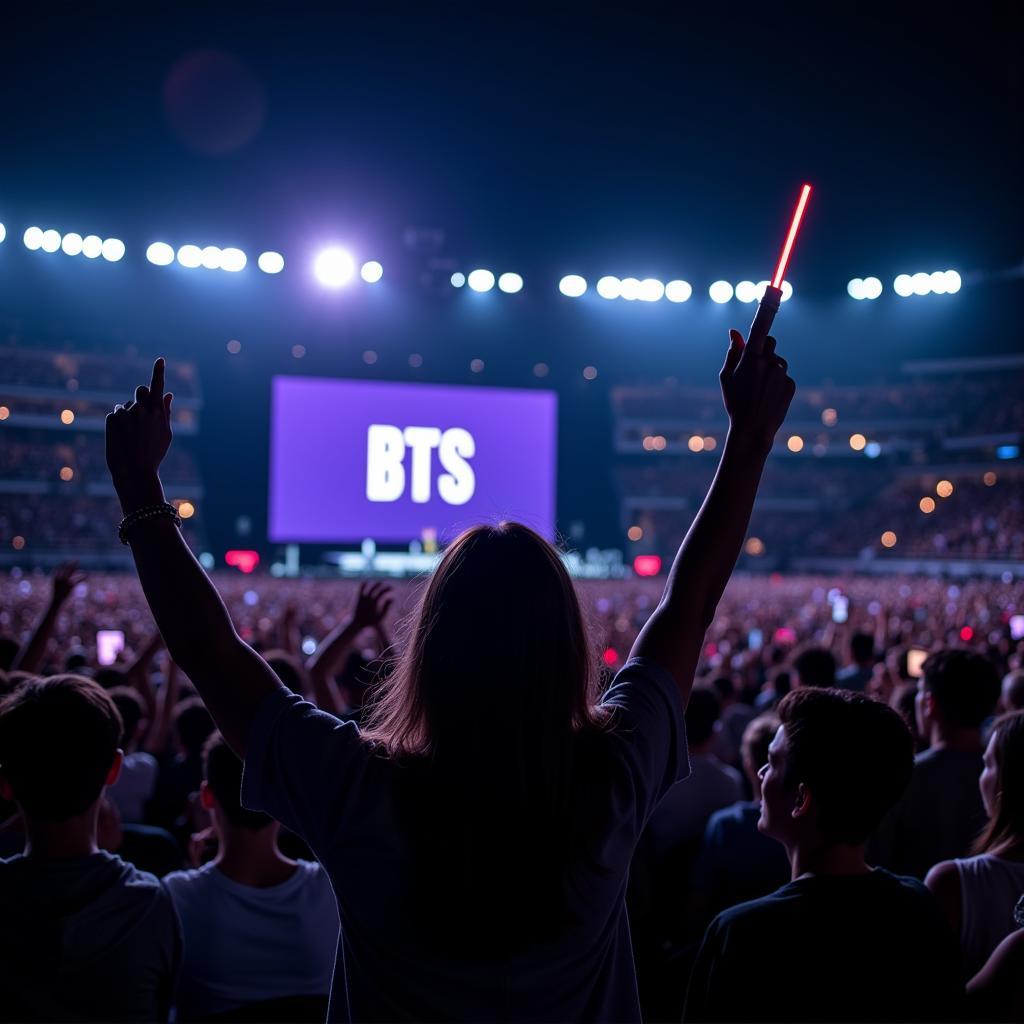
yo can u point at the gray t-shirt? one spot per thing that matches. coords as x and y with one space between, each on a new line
318 777
89 938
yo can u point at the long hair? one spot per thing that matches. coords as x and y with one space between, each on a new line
489 718
1007 824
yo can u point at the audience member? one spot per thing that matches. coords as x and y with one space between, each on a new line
813 666
1012 696
841 941
259 928
979 893
858 673
734 719
996 992
83 935
941 812
135 784
182 775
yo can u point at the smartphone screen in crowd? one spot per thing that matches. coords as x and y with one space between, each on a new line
915 662
109 644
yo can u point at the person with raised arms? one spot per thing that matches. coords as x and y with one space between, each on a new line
478 832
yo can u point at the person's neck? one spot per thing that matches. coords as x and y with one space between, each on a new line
62 840
1012 850
817 860
952 737
252 858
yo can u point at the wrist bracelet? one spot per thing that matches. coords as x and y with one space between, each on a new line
141 515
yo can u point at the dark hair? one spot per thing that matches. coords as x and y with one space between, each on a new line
1007 824
815 666
58 738
862 647
964 685
853 753
490 719
131 709
1013 684
724 687
192 725
757 738
222 769
782 681
903 701
76 660
111 678
702 712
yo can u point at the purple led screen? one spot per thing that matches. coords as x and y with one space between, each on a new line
356 459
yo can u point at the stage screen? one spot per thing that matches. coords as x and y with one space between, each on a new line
356 459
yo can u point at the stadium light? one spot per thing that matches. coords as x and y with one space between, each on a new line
50 241
855 289
233 260
3 231
160 254
334 268
190 256
371 272
210 257
458 279
903 286
92 247
71 244
720 292
270 262
510 283
953 282
112 250
33 238
572 285
678 291
629 289
872 287
480 280
921 283
609 287
746 291
651 290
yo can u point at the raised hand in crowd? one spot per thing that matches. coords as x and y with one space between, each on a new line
63 582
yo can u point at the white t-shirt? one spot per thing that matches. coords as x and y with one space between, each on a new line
321 779
246 945
134 786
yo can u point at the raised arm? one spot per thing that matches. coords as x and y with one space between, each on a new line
232 678
65 578
757 392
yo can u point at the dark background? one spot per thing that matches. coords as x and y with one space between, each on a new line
644 140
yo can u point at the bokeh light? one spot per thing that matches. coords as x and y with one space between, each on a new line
371 271
160 253
944 488
720 292
480 280
270 262
889 539
926 504
795 443
858 442
334 267
678 291
510 283
71 244
572 285
609 287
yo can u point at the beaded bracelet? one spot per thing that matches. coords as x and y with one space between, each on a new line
141 515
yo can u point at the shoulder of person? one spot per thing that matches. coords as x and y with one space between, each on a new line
188 881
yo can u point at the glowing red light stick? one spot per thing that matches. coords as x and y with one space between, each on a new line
794 226
769 304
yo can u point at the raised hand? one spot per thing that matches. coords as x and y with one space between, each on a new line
372 605
64 580
756 389
139 434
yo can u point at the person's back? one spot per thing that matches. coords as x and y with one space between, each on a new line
83 935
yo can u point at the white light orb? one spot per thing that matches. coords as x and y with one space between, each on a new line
3 232
855 289
210 257
458 279
651 290
921 283
334 268
903 286
937 281
872 287
33 238
678 291
629 289
572 285
953 282
160 253
190 256
720 292
480 280
50 241
270 262
787 291
92 247
371 272
609 287
112 250
71 244
746 291
510 283
233 260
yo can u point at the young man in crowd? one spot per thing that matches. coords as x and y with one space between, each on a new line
858 673
813 666
83 935
941 812
841 941
259 928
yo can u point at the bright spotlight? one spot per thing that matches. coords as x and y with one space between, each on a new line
510 283
762 288
678 291
112 250
270 262
371 272
92 246
190 256
921 283
651 290
609 287
937 281
334 268
458 279
71 244
33 238
855 289
480 280
209 257
903 286
50 241
746 291
572 285
629 289
160 253
953 282
872 287
3 232
720 292
787 291
233 260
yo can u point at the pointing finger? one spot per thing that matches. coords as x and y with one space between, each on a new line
156 385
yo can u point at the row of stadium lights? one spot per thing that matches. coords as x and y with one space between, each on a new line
334 267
